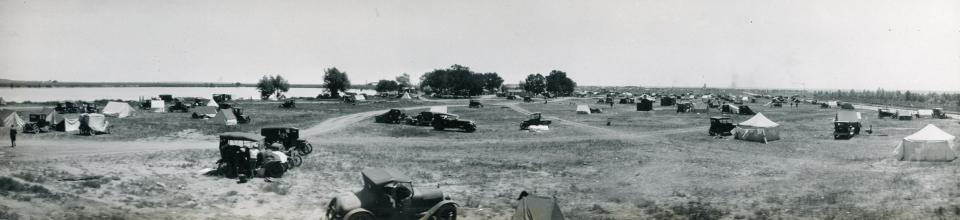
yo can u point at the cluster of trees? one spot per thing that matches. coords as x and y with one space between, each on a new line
459 80
272 85
401 83
556 83
335 81
883 97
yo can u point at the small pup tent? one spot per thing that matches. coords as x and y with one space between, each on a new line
213 103
928 144
758 128
10 118
203 112
533 207
157 106
226 116
583 109
118 109
406 96
438 109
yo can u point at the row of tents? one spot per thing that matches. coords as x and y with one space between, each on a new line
90 123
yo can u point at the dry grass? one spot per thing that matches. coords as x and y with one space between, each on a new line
675 173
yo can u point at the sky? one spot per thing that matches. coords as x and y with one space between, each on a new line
813 44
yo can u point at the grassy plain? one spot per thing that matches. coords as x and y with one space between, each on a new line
659 165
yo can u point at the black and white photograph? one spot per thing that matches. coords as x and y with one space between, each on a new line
477 110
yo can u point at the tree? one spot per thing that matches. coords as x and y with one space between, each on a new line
403 80
535 83
335 81
272 85
266 87
492 81
558 83
281 85
387 86
456 80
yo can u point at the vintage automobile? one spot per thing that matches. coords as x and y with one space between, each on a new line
178 106
423 119
475 104
720 126
289 137
444 120
388 194
289 103
527 99
241 118
39 122
885 112
938 113
393 116
536 118
845 130
242 155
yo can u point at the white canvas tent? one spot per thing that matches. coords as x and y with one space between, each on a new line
226 116
583 109
360 97
68 122
157 106
10 118
925 112
758 128
213 103
118 109
406 96
96 122
928 144
439 109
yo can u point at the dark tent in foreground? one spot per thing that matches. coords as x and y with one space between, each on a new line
645 105
533 207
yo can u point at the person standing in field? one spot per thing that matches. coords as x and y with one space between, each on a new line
13 136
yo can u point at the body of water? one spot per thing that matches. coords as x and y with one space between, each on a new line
135 93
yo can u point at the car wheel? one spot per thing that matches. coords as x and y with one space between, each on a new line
446 212
362 215
295 160
306 148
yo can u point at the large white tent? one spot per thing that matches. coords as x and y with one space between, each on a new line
928 144
118 109
758 128
583 109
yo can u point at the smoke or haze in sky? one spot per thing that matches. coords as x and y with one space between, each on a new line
862 44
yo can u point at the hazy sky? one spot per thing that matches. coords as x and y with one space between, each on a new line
866 44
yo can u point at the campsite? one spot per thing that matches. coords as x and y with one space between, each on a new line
653 163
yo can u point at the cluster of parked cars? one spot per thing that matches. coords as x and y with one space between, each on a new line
437 120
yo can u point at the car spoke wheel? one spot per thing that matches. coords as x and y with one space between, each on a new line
306 148
446 212
359 216
295 160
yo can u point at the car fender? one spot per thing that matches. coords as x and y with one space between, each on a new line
427 214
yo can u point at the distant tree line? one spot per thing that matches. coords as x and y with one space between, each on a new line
459 80
883 97
556 83
401 83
